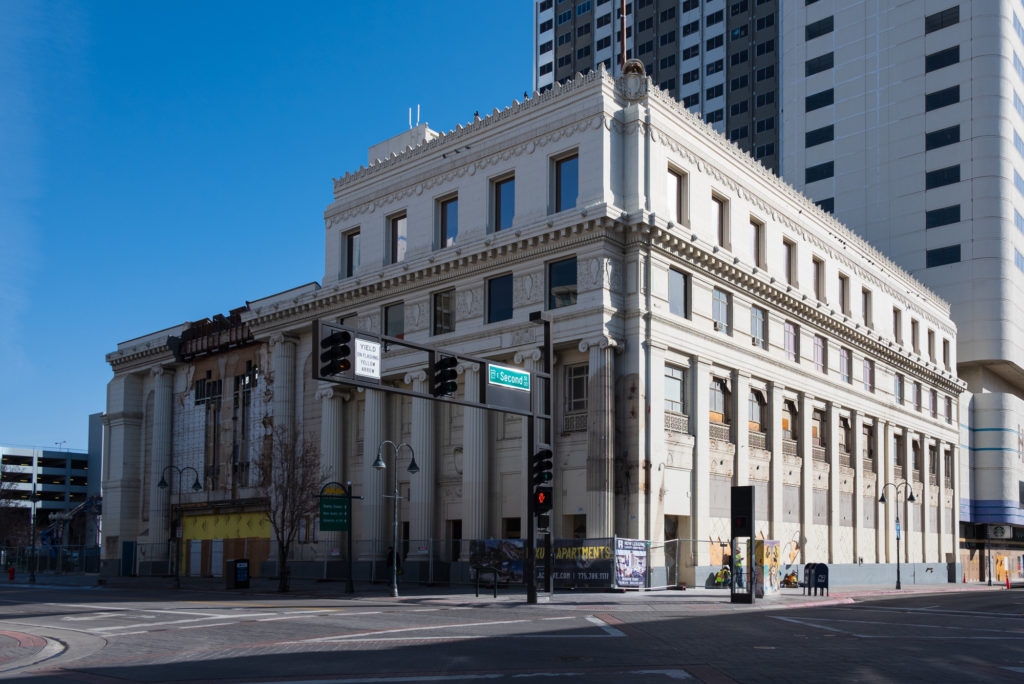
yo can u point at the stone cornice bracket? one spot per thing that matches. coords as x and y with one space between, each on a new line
529 355
603 341
415 376
157 371
279 338
331 392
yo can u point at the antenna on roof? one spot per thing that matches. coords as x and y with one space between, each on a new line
417 116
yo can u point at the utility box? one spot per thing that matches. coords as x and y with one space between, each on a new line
237 575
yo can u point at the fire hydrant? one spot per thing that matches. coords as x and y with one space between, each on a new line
10 574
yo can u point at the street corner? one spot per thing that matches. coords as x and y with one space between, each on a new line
18 649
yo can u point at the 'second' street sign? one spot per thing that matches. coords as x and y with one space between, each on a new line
513 378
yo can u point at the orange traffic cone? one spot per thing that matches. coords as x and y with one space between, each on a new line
965 577
1007 580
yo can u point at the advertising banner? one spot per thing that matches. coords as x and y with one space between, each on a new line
579 563
505 555
630 562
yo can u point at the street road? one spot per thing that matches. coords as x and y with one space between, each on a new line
114 634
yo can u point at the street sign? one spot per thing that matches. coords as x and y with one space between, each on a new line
367 358
334 509
513 378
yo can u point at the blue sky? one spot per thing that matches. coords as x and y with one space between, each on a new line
167 161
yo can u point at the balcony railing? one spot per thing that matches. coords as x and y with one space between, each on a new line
720 431
818 453
845 459
933 479
574 422
677 422
897 471
789 447
757 440
947 483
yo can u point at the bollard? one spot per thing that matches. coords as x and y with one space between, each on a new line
10 574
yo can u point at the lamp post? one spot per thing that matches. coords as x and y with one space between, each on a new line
412 470
196 487
909 493
32 551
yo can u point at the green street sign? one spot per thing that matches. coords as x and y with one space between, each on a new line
334 510
513 378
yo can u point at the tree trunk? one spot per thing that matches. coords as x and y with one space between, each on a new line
282 571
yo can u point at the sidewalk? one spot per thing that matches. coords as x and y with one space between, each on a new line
697 597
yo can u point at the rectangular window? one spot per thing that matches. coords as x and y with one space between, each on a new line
351 253
940 20
715 91
719 220
844 294
715 66
719 402
566 182
917 396
819 100
818 278
789 261
546 26
865 307
819 172
942 137
394 320
678 293
945 353
869 375
720 309
603 43
897 325
576 381
448 229
397 237
759 327
942 177
819 135
942 217
564 17
499 298
675 389
942 59
585 50
931 346
942 256
674 188
915 340
604 20
846 365
828 204
941 98
819 28
819 64
933 403
765 73
444 312
714 18
820 354
688 53
546 47
757 243
738 58
667 38
764 22
504 203
562 283
582 8
949 412
792 341
667 14
764 48
764 99
897 388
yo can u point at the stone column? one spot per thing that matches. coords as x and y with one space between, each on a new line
775 397
332 442
954 480
421 485
832 454
880 435
372 506
905 510
282 361
121 486
701 403
475 462
600 437
159 511
942 529
741 430
856 448
531 361
803 448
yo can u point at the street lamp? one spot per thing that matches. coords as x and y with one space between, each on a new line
196 487
909 492
412 470
32 568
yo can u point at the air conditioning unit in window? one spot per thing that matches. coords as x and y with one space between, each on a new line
718 326
754 342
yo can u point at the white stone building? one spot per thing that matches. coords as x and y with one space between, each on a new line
711 327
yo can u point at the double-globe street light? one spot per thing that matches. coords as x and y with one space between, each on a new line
196 487
909 493
412 470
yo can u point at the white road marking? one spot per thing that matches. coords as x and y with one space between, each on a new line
609 630
406 679
998 634
397 630
238 618
215 624
929 611
126 609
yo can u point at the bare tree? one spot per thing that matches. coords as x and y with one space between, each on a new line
291 476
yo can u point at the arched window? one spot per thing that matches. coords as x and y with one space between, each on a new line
719 411
757 411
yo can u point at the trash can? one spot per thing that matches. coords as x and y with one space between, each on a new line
237 575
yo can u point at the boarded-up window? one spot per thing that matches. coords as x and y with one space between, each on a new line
820 508
790 503
720 496
868 506
846 509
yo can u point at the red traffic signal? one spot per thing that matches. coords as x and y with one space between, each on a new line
542 501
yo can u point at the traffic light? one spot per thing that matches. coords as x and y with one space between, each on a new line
541 466
542 500
443 376
335 353
544 522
